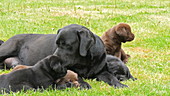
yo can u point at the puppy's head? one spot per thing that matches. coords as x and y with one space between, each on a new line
123 30
116 67
56 65
73 41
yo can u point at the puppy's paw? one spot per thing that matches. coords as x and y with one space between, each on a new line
125 61
127 56
64 86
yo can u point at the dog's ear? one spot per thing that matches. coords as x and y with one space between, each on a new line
87 39
58 31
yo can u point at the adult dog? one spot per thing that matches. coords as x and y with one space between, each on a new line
114 37
40 76
84 53
79 49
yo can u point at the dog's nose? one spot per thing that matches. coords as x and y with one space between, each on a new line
131 37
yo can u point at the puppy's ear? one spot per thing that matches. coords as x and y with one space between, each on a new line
87 39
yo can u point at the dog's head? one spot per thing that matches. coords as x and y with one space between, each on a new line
123 30
54 64
116 67
73 42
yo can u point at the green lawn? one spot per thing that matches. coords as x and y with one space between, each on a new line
150 51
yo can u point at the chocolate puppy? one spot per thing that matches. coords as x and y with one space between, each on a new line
114 37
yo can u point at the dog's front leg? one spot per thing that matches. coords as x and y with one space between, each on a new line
83 84
110 79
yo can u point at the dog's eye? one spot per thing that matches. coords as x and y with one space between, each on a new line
63 45
60 43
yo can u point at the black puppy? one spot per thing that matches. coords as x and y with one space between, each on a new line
115 69
42 75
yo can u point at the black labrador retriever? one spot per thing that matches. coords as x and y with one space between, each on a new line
84 53
40 76
79 49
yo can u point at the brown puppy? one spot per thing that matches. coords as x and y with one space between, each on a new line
69 77
114 37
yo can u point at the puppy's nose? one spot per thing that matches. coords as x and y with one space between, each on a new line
131 37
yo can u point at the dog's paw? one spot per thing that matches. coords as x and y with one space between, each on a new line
64 86
119 85
134 79
85 85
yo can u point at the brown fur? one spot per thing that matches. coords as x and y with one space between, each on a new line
69 77
114 37
18 67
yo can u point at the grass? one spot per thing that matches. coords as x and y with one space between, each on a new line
150 51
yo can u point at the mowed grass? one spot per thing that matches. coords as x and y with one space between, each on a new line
150 51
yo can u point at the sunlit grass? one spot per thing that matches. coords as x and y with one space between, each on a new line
150 22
